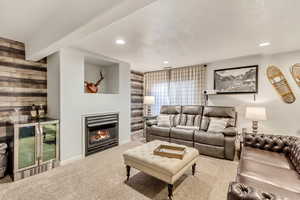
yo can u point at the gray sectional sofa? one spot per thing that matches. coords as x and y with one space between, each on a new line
189 126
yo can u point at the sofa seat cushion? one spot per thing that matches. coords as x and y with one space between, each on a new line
184 134
182 142
210 138
270 175
210 150
155 137
266 157
188 127
160 131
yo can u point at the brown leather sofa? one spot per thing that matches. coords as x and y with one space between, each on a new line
269 168
189 126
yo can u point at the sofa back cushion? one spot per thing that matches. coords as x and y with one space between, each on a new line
173 112
227 113
166 109
191 115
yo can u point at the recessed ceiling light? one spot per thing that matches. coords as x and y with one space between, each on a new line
264 44
166 62
120 42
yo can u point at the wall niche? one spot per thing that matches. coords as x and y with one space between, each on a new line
94 69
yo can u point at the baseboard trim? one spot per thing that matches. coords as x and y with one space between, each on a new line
71 160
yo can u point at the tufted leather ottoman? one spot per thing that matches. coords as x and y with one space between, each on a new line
168 170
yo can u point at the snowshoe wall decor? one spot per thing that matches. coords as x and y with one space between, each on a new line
280 84
295 71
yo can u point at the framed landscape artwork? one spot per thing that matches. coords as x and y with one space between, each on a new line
236 80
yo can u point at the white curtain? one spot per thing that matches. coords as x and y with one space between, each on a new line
178 86
187 85
157 84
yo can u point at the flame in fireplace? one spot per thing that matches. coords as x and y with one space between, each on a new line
102 134
99 135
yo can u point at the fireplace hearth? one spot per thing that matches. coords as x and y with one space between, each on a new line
101 132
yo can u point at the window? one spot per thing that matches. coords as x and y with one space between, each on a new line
160 92
179 86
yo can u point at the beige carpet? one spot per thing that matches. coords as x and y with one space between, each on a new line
101 176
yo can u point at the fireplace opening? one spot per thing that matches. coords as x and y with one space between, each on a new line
101 133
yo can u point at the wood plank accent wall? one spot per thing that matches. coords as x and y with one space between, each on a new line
22 82
137 96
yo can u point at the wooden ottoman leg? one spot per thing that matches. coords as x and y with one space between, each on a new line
128 171
194 169
170 190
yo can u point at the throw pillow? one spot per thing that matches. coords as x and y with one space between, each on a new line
217 125
190 120
163 121
204 123
197 120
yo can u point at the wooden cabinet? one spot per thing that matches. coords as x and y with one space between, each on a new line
36 147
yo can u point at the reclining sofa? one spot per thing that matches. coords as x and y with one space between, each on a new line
269 168
189 126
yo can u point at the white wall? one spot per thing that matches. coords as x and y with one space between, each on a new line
53 85
74 103
282 118
110 83
91 74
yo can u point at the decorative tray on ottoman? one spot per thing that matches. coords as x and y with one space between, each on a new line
170 151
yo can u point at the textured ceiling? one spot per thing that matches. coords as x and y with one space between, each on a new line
183 32
198 31
20 20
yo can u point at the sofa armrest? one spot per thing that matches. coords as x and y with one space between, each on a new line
230 131
151 122
239 191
